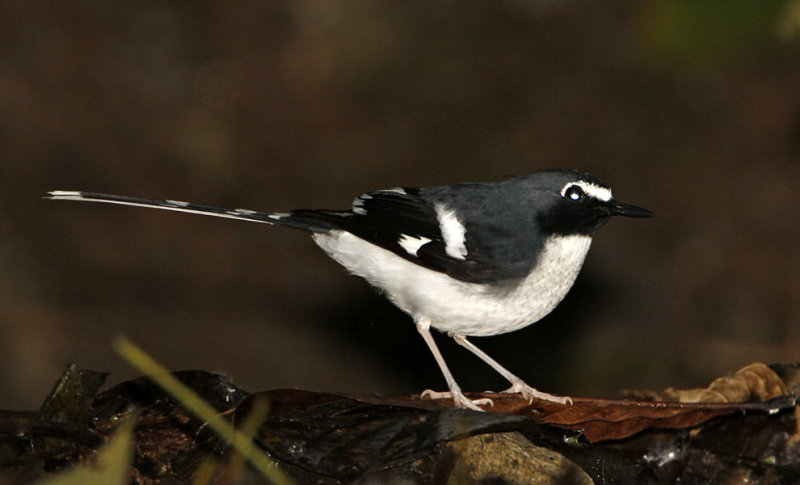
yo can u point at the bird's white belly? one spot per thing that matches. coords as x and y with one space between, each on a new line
472 309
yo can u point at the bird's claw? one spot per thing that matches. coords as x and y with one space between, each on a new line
460 400
530 394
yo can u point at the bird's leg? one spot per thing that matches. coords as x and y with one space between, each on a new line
517 384
460 400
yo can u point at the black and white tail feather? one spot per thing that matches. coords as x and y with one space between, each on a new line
178 206
465 259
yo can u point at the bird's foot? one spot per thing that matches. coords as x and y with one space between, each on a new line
458 398
530 394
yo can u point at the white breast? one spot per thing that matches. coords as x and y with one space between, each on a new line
471 309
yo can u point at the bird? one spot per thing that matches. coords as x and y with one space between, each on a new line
467 259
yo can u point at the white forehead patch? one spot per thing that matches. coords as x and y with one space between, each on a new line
590 189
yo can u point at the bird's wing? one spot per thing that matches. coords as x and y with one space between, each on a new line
402 221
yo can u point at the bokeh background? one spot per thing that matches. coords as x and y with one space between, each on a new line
688 107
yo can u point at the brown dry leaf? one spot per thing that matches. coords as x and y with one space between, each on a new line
753 382
600 419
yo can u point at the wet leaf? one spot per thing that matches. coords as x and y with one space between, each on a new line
111 466
345 437
329 438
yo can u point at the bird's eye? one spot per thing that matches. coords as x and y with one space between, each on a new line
574 193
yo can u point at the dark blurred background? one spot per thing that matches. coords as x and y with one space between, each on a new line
690 108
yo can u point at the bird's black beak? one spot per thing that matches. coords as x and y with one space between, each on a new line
619 209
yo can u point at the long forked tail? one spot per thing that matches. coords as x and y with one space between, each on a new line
284 219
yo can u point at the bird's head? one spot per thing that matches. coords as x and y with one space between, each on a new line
574 202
